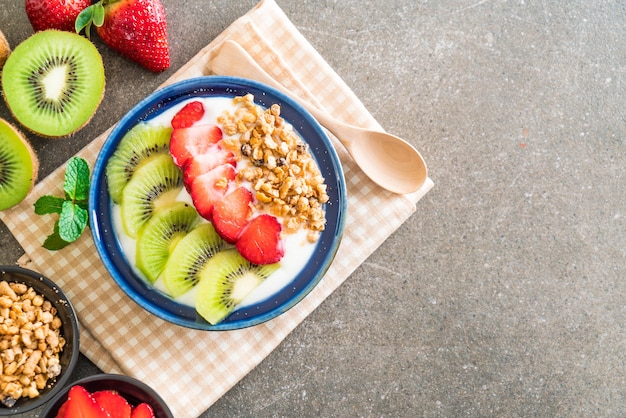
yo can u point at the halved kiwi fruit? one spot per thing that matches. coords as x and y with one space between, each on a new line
189 257
225 282
143 142
53 82
19 166
155 184
158 239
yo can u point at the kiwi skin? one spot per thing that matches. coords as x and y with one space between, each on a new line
5 49
20 100
33 158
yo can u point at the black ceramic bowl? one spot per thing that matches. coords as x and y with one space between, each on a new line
133 390
65 311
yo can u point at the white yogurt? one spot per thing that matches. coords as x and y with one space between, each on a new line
298 250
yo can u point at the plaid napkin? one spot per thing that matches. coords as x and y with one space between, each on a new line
191 369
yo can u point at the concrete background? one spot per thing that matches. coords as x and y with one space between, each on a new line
504 295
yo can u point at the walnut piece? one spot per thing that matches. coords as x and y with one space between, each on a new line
30 342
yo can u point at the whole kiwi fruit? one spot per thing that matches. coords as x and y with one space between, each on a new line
53 82
5 50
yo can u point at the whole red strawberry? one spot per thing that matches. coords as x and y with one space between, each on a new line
54 14
137 29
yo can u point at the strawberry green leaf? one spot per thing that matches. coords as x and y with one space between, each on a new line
84 19
98 14
93 14
77 180
72 221
48 204
54 242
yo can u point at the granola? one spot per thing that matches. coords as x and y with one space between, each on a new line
282 172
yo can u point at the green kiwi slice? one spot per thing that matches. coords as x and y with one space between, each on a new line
158 239
19 166
53 82
155 184
189 257
142 143
225 282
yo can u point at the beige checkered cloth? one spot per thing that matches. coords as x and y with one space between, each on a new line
191 369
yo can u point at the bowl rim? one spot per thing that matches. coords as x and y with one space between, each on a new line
154 104
69 369
113 377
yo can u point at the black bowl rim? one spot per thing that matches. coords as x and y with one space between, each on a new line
149 299
56 402
66 373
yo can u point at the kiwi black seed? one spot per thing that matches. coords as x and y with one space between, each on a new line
189 257
155 184
158 239
225 282
53 82
19 166
142 143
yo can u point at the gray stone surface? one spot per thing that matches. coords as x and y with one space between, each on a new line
504 294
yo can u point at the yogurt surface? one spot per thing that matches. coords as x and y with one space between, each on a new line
298 249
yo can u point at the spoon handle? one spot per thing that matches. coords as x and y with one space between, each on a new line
233 60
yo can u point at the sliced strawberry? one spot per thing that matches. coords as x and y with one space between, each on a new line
203 163
61 413
112 402
191 141
260 241
81 404
211 187
191 113
231 214
143 410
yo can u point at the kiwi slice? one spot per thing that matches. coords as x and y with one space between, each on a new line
19 166
159 237
155 184
225 282
53 82
191 254
143 142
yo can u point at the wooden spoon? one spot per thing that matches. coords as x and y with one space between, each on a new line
389 161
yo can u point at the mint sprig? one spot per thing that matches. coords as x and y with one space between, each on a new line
72 207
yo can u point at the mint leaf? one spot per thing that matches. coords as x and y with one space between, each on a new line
48 204
72 221
84 205
77 180
54 241
73 208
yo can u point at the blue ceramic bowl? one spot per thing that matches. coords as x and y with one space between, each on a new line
159 303
69 330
